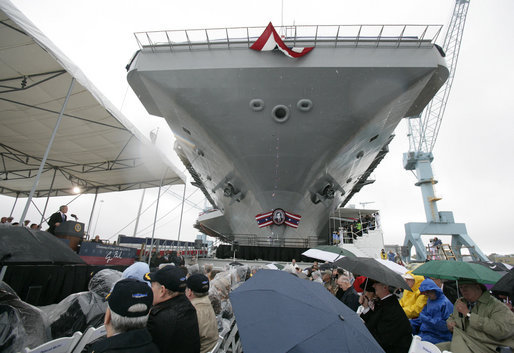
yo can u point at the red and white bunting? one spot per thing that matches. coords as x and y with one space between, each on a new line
264 219
270 39
292 220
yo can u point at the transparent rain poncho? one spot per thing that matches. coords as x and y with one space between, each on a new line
80 310
21 324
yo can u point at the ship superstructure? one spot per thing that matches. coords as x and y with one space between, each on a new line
267 137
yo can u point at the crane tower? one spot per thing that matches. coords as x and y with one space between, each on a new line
423 131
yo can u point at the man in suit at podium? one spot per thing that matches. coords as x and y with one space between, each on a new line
57 218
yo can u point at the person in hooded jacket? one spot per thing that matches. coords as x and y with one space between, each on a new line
413 302
431 323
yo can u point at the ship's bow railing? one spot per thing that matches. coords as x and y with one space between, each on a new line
288 242
293 36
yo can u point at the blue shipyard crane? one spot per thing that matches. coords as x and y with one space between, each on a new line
423 132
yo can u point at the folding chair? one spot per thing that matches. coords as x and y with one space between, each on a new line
89 336
419 346
59 345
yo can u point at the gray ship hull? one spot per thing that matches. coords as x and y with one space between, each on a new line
260 131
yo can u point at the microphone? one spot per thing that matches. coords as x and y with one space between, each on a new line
74 216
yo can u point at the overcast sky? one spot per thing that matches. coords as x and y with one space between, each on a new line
473 154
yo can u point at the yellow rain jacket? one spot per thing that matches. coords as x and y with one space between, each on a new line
413 302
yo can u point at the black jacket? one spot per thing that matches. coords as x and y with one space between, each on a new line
55 218
135 341
349 297
174 326
389 325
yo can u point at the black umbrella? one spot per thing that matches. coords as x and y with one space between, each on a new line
328 266
19 245
505 284
495 266
278 312
369 267
235 263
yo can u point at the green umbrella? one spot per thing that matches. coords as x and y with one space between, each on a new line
329 253
457 270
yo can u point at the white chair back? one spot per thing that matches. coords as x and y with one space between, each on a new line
59 345
419 346
89 336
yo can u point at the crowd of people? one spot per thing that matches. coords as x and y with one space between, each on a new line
475 322
350 230
9 222
178 308
54 221
391 256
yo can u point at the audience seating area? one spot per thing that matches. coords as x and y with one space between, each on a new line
73 344
228 341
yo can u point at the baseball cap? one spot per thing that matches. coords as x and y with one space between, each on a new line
198 283
171 277
127 293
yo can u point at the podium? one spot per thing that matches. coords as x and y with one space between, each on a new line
71 231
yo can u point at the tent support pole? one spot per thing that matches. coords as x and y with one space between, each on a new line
155 217
139 212
48 197
47 152
15 201
182 211
88 236
37 209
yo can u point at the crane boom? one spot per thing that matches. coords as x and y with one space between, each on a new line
423 131
422 137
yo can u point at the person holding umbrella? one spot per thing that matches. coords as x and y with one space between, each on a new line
387 321
368 298
479 322
278 312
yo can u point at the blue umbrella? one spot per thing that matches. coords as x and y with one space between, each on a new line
278 312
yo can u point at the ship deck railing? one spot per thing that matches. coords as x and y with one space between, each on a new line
294 36
288 242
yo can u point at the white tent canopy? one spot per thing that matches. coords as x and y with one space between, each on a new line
96 147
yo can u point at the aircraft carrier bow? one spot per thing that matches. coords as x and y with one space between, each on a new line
277 143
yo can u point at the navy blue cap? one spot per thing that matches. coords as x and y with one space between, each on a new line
171 277
127 293
198 283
